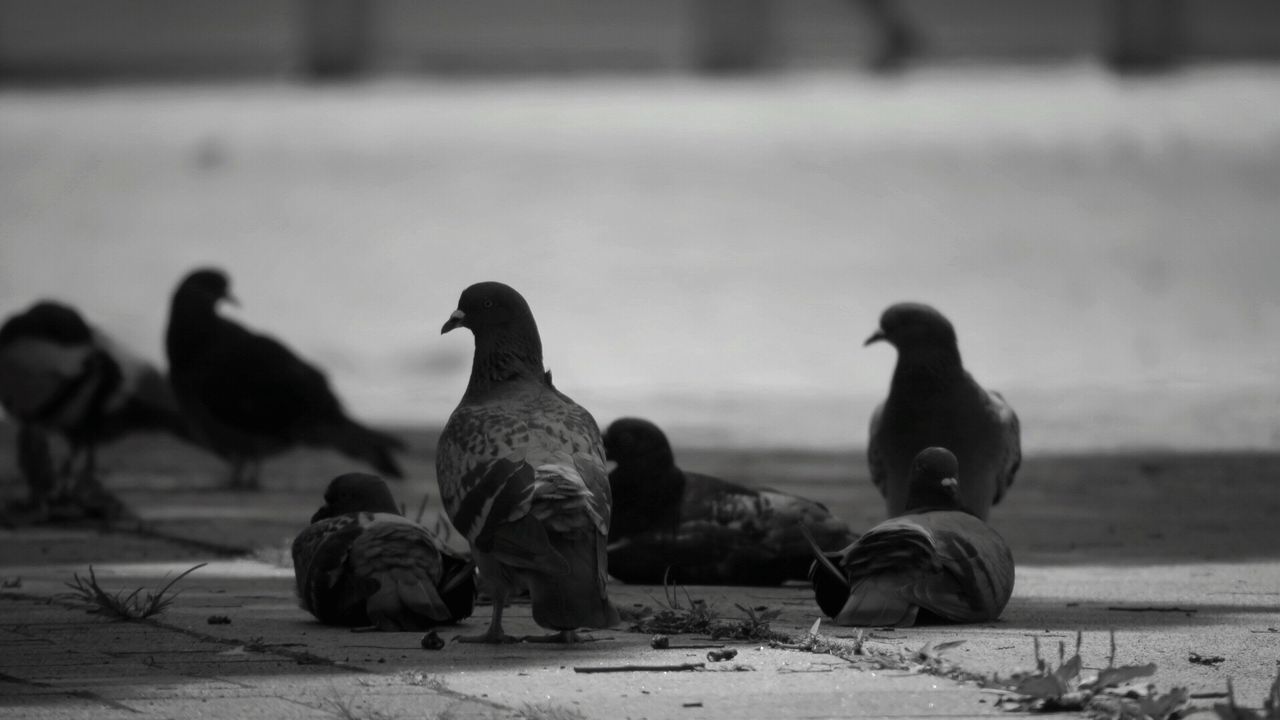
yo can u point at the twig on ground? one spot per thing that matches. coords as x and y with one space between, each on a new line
639 668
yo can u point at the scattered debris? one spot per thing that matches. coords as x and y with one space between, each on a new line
682 667
432 641
1210 660
420 679
691 704
218 620
120 606
719 655
1049 689
1153 609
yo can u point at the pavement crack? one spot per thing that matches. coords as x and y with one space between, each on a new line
82 694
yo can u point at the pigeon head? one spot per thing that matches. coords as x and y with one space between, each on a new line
489 306
356 492
911 325
508 346
50 321
206 286
631 440
934 481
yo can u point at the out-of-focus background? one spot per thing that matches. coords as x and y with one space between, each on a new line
706 202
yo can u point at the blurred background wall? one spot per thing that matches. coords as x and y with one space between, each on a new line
42 39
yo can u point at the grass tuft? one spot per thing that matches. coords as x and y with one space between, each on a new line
121 606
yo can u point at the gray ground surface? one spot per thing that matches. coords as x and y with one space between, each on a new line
1099 542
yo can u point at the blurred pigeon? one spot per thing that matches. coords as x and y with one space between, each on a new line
523 476
61 376
248 396
935 562
360 562
675 526
934 401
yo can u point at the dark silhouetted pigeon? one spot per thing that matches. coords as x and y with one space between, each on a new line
247 396
674 526
933 401
522 474
61 376
934 562
361 563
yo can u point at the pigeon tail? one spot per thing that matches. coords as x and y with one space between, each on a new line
404 602
878 601
371 446
576 599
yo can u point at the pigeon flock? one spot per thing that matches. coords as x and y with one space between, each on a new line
524 474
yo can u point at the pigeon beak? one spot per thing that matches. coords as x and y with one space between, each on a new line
231 300
876 337
951 485
456 320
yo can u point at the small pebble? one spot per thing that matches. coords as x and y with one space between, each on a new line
718 655
659 642
432 641
218 620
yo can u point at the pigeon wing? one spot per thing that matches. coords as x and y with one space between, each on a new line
1011 437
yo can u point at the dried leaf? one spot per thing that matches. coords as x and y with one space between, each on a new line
1108 677
1042 687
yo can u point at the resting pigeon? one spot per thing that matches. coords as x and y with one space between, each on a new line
675 526
522 474
934 401
360 563
247 396
936 560
61 376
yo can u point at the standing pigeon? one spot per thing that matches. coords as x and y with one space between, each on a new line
934 401
934 562
247 396
523 476
61 376
360 562
675 526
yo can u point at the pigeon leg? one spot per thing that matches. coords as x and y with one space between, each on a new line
36 462
253 474
494 634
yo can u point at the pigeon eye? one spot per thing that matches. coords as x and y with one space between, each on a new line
488 303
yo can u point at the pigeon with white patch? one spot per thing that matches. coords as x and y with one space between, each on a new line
522 474
935 562
361 563
934 401
674 526
61 376
247 396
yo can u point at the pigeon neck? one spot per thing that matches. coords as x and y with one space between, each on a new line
928 367
506 356
645 494
191 323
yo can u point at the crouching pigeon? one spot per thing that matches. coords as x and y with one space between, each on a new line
933 401
675 526
61 376
360 563
522 474
935 562
248 397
